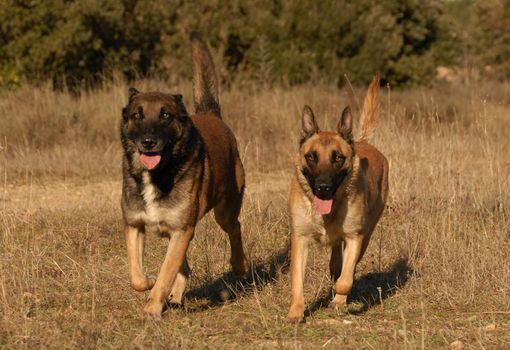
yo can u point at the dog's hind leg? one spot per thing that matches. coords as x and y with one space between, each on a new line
226 214
180 283
335 262
370 229
135 243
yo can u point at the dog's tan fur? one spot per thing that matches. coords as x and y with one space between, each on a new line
211 178
357 203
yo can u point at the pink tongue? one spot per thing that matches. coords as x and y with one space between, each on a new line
322 206
150 162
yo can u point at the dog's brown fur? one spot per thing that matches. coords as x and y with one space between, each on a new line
357 203
198 172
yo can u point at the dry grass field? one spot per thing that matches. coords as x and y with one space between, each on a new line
436 274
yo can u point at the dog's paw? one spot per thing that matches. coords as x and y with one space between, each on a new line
339 300
151 281
153 310
240 267
296 314
174 303
339 303
296 319
175 306
144 284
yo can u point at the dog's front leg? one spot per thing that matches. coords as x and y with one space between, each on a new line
135 243
298 256
175 255
343 284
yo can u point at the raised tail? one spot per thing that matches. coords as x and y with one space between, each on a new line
370 112
205 82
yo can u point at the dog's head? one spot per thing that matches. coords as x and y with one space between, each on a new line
326 157
152 123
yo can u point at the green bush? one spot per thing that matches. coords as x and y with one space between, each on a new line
494 37
76 43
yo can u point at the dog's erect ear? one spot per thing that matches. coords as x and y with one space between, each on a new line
181 108
132 92
308 124
125 115
345 124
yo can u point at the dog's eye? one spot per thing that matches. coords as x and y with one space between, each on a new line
165 116
339 158
310 157
136 116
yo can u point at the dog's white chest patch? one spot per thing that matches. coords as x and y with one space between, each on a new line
347 221
172 214
307 222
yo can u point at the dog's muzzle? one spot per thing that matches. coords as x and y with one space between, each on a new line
323 187
150 151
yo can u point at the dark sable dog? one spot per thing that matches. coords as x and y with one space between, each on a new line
176 168
337 196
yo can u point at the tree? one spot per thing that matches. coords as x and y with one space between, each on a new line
76 43
494 35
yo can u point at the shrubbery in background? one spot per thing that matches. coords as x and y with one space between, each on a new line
76 43
494 35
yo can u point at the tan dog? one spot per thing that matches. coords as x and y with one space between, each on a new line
337 195
175 169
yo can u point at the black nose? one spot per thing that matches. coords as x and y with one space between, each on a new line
323 185
148 143
322 188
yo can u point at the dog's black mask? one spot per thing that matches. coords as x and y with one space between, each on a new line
325 185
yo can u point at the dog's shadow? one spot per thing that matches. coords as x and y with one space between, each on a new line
369 290
228 287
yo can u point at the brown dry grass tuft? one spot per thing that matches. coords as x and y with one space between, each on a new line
437 270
